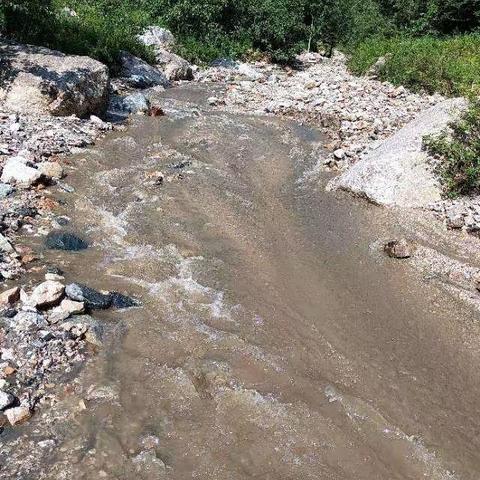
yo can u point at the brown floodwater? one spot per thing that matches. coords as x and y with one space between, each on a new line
275 340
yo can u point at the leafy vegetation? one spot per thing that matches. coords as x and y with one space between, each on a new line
458 150
450 66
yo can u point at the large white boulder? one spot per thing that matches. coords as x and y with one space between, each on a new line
39 80
397 173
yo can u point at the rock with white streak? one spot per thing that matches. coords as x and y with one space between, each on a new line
6 400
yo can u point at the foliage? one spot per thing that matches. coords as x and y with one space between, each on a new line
447 65
459 152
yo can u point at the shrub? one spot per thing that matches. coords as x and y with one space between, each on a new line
450 66
458 150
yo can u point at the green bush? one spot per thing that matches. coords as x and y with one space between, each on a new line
450 65
459 153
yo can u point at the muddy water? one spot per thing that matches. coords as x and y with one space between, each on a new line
275 342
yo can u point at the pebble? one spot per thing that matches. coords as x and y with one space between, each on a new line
6 400
18 415
399 249
47 294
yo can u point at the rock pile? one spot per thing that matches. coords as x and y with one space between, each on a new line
45 334
356 112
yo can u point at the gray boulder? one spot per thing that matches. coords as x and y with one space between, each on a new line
139 74
43 81
155 36
172 65
397 173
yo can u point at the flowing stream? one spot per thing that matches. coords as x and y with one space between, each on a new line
275 341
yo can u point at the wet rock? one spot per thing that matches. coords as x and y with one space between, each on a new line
18 415
18 172
92 298
119 300
39 80
86 326
399 249
65 241
135 103
10 296
139 74
47 294
6 400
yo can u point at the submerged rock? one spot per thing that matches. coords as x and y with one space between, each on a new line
92 298
65 241
87 327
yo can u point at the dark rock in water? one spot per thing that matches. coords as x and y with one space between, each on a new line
55 270
119 300
92 298
63 221
26 212
65 241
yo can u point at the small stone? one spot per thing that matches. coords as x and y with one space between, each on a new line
51 170
47 294
455 221
10 296
6 400
339 154
91 298
156 111
5 190
65 241
399 249
212 101
72 307
54 277
18 415
5 245
9 370
17 171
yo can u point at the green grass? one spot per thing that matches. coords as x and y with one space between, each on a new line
450 66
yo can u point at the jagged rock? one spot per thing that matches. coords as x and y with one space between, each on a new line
5 190
172 65
65 241
86 326
18 415
397 172
6 400
39 80
139 74
92 298
47 294
10 296
5 245
18 172
72 307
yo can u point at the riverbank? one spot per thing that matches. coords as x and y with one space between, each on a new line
355 114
